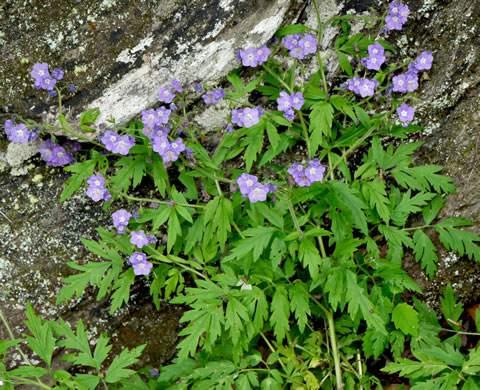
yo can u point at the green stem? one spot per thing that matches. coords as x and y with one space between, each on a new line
292 213
271 347
59 100
287 87
352 148
294 68
25 381
418 227
305 133
82 137
319 38
214 177
178 264
217 184
128 197
333 342
237 229
10 333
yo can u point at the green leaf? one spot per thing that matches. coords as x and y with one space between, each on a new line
345 63
122 290
375 194
89 116
405 318
117 370
425 252
309 256
363 116
460 241
416 369
357 300
450 308
299 304
321 118
280 309
374 343
423 178
270 384
430 211
472 365
236 81
102 349
257 241
43 341
273 136
292 29
29 372
73 184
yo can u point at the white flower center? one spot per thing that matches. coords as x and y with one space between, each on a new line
374 60
41 72
375 51
400 82
150 117
97 182
249 183
395 19
404 113
121 219
394 10
166 93
20 133
423 60
312 171
122 144
113 138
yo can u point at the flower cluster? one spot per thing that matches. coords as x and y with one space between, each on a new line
362 87
140 239
408 82
247 117
300 47
140 264
253 57
304 177
96 190
376 58
120 220
168 150
214 97
55 155
287 103
42 77
116 143
155 118
19 134
405 113
397 16
256 192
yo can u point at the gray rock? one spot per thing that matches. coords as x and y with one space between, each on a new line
119 53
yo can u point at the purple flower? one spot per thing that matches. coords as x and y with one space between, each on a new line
198 87
52 93
137 257
393 8
412 69
249 57
219 93
394 22
400 83
177 146
260 111
229 128
123 145
284 101
375 62
160 144
173 107
405 112
354 84
107 196
46 150
39 72
57 73
170 155
109 139
71 87
177 86
403 12
258 193
163 115
209 98
308 44
250 117
47 83
237 117
314 172
139 239
296 170
18 134
297 100
376 49
151 238
245 183
271 187
289 115
262 54
291 41
366 88
142 268
120 219
412 83
95 193
298 53
149 118
60 156
424 61
165 95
